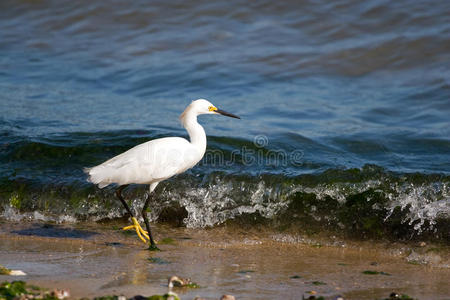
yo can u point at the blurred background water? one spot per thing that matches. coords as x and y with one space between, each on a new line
354 95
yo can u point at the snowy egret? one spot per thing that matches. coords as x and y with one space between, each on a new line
156 160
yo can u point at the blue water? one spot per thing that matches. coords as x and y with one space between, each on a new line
331 86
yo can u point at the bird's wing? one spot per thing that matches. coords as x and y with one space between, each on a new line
149 162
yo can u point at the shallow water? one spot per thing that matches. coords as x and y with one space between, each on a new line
250 265
339 101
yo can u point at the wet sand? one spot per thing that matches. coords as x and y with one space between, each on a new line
98 259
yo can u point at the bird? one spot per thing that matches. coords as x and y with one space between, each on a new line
154 161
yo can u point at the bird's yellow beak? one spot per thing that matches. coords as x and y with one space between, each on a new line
222 112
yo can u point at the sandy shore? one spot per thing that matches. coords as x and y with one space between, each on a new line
93 260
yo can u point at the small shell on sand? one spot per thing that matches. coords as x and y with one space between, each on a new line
17 273
178 281
60 294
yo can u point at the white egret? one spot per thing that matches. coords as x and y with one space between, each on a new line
156 160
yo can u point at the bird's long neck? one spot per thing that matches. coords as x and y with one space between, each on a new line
196 132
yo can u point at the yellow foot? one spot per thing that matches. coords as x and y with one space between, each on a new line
142 234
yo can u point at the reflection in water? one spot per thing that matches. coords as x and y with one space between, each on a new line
57 231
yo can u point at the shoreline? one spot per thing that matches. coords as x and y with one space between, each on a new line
99 260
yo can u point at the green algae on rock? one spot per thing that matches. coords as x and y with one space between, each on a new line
19 289
22 290
168 296
4 271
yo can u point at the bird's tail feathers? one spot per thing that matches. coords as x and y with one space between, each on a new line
96 175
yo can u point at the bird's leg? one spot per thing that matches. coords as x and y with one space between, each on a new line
152 246
119 195
142 234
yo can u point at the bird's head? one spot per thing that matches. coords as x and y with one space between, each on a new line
202 106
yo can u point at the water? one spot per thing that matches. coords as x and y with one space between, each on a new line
219 262
344 110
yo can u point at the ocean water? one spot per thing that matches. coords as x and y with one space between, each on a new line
345 110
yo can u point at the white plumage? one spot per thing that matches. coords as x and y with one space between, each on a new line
157 160
147 163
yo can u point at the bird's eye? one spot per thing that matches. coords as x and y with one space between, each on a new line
211 108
